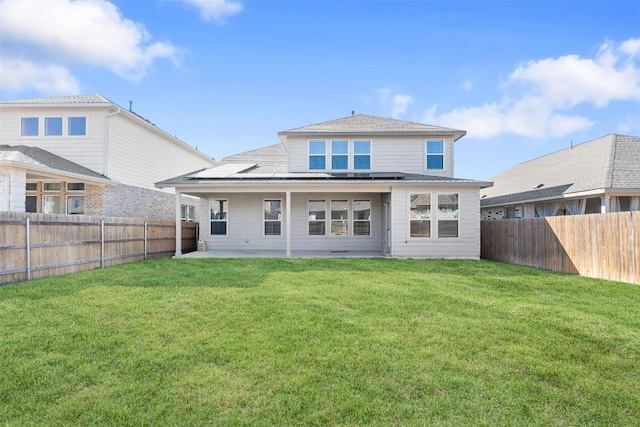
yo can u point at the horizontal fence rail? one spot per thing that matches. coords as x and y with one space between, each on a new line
605 246
34 246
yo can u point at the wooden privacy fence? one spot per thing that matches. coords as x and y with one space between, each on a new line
34 246
605 246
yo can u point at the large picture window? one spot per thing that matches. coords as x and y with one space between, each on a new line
448 215
272 217
317 154
75 205
362 217
317 218
420 215
435 154
219 217
339 217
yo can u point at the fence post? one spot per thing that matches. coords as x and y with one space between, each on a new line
102 243
146 225
28 249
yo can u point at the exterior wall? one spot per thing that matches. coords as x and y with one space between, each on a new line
467 245
12 190
245 229
141 156
85 150
388 154
129 201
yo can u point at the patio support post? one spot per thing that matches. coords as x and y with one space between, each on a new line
178 226
287 223
604 204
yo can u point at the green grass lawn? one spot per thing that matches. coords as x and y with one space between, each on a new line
319 342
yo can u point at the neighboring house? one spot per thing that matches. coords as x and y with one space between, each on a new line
87 155
598 176
359 184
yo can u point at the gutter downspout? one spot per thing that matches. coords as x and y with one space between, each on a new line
106 139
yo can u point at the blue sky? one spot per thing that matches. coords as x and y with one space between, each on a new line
523 78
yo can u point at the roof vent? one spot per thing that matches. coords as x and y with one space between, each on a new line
539 186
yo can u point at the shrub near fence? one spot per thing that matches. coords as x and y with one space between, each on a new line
34 246
605 246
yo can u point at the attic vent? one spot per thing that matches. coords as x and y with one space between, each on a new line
484 195
539 186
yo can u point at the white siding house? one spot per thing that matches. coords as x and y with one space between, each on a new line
87 155
361 185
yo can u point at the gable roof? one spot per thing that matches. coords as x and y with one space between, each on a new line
73 99
270 159
608 162
42 160
363 124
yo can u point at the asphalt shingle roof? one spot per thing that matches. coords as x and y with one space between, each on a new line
366 124
271 159
73 99
26 155
612 161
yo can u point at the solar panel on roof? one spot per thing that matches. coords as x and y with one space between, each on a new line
223 171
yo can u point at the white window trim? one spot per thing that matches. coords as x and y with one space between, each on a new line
437 235
328 155
226 234
264 220
353 219
444 151
318 236
431 220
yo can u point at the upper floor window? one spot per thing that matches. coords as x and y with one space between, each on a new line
339 154
317 154
219 217
435 154
53 126
272 217
362 154
29 126
77 126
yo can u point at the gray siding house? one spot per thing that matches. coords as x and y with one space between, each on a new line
359 184
598 176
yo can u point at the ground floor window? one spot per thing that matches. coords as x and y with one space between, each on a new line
272 217
219 217
339 217
448 215
187 213
420 215
317 218
362 217
55 197
345 215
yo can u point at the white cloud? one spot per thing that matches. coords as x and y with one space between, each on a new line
69 32
537 94
397 102
216 9
19 74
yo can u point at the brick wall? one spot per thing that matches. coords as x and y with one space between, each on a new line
127 201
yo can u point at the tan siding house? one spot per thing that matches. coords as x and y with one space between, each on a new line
360 185
87 155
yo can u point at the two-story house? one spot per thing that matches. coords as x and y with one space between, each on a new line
361 185
87 155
